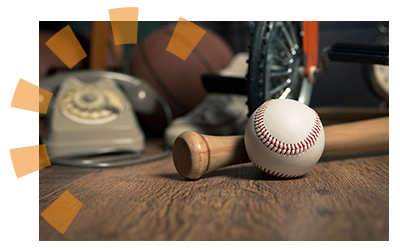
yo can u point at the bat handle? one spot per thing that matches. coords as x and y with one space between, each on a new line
195 154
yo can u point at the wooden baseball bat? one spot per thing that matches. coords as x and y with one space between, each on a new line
195 154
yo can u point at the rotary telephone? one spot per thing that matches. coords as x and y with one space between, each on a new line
92 113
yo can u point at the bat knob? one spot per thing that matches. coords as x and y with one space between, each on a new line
191 155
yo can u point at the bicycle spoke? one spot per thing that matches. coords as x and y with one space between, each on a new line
275 68
293 34
284 47
281 73
285 93
288 39
285 63
279 87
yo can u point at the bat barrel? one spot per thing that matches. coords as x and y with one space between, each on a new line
360 136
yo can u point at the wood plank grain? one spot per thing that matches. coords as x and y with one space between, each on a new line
56 177
340 199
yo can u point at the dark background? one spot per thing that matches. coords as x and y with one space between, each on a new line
344 84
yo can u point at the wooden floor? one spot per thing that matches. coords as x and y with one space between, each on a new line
341 198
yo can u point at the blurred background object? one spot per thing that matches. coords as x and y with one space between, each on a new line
345 84
179 82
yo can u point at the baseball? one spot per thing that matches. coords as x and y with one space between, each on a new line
284 138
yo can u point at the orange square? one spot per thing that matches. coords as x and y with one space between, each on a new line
27 160
124 14
44 100
62 211
44 160
30 97
185 38
124 32
67 47
124 24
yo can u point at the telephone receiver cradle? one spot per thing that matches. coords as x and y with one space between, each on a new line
92 112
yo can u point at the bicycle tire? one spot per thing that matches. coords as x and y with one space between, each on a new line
258 83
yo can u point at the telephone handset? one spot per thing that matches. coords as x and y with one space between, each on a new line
92 113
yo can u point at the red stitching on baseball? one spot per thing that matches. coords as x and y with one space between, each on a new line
277 174
286 149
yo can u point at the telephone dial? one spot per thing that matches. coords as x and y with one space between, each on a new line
93 113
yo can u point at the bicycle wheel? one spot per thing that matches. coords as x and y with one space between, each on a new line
276 63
